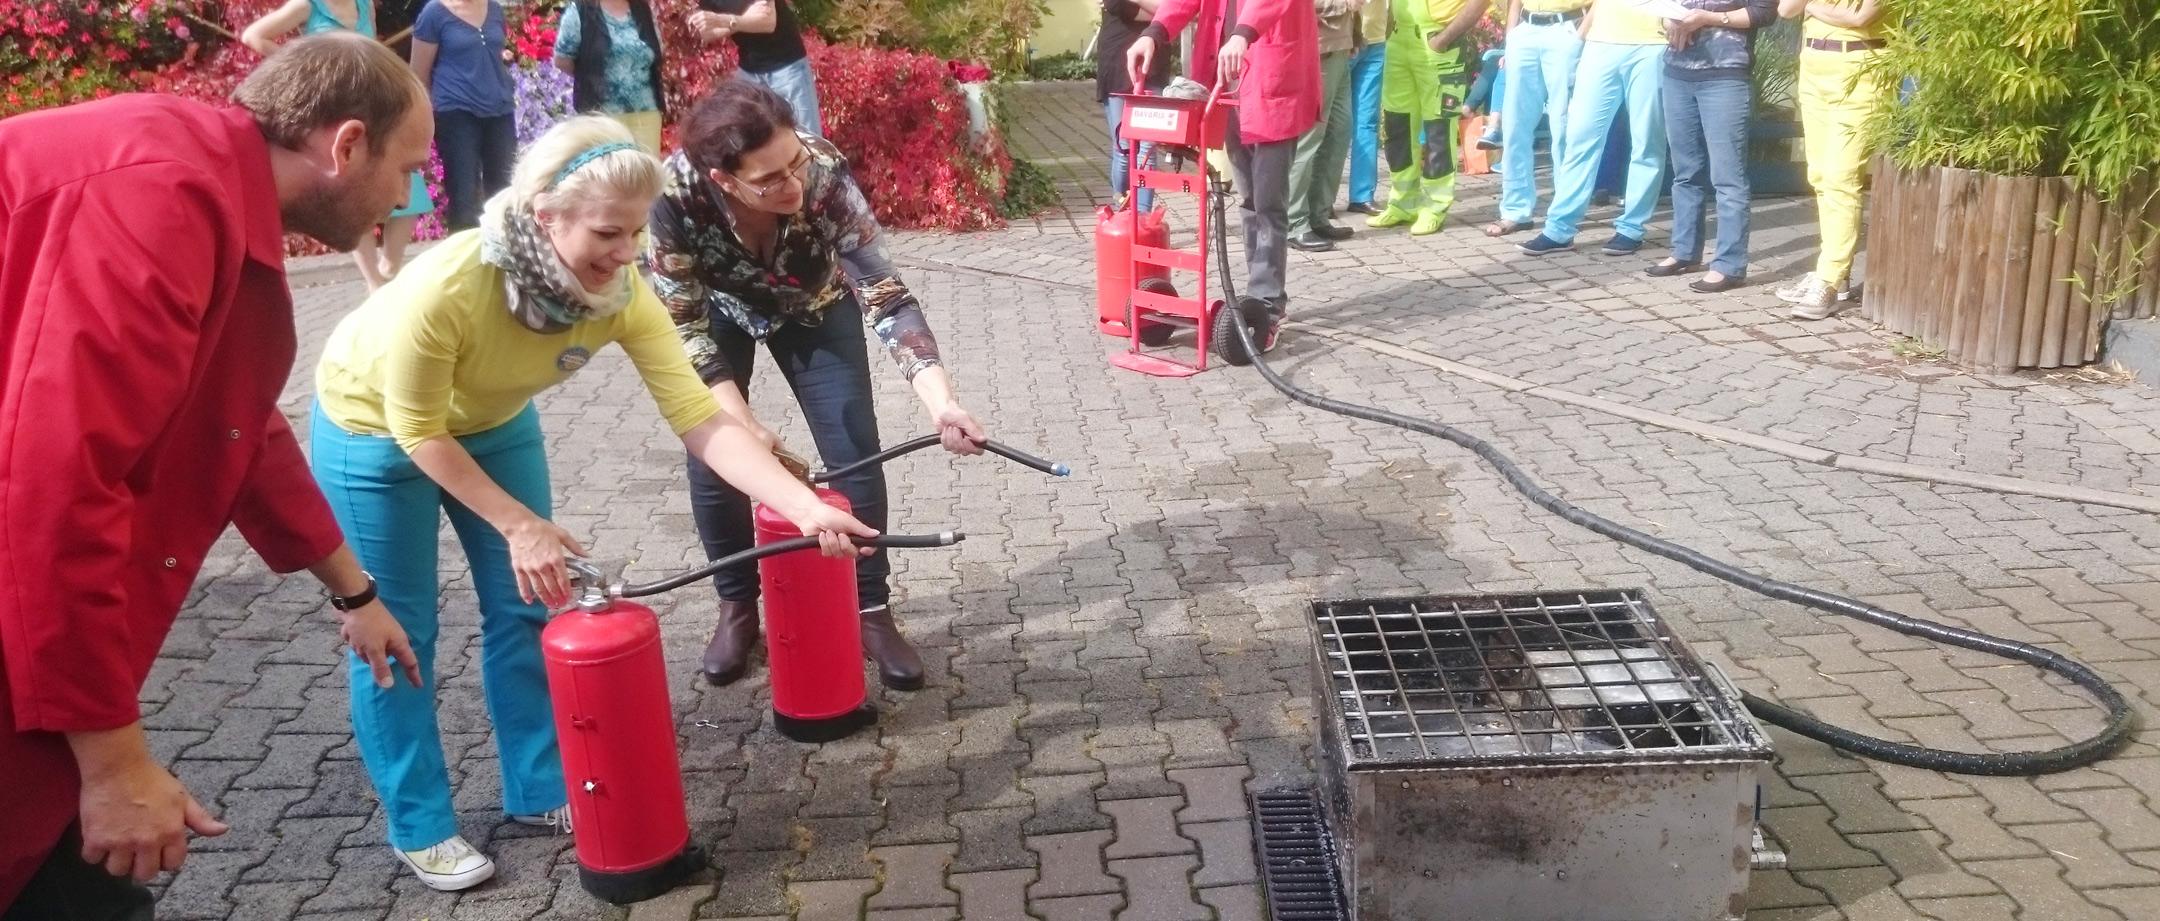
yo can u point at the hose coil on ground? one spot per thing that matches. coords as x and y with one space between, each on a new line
2122 721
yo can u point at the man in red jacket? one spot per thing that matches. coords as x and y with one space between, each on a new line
1269 54
145 334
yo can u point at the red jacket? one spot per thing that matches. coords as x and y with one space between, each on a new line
145 334
1280 95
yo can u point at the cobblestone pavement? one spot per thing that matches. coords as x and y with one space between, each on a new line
1118 656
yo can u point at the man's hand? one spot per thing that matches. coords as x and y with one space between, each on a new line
1230 62
376 637
135 816
1138 59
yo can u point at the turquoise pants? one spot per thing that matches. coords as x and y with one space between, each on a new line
391 513
1610 80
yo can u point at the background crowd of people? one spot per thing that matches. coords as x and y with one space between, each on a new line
1641 97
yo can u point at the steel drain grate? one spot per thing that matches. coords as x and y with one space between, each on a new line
1296 862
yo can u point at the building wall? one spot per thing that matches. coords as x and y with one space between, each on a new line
1067 27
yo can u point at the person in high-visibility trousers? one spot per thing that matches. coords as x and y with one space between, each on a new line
1837 96
1423 82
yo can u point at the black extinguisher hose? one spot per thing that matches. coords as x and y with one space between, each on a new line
2122 721
761 551
1052 468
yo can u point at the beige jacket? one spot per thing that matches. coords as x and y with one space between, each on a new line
1338 24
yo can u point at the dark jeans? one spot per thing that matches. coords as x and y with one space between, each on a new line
67 889
828 367
477 155
1262 173
1706 127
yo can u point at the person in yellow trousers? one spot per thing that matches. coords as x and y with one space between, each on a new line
1837 96
1422 85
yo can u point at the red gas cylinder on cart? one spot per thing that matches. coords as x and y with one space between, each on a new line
608 682
1114 239
813 635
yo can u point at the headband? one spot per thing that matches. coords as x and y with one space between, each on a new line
587 157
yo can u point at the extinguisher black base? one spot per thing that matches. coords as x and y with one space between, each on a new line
638 885
829 729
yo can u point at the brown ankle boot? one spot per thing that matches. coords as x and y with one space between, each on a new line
897 664
728 655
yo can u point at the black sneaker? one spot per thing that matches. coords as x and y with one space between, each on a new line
1364 207
1622 245
1541 244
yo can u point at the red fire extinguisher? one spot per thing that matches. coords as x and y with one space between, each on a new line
1115 235
610 688
813 634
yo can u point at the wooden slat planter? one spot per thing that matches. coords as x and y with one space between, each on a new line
2007 272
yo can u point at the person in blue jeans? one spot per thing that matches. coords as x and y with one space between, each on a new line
1707 99
1623 66
1366 66
1122 22
770 52
1543 46
457 51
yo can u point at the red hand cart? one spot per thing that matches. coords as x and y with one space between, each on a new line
1198 125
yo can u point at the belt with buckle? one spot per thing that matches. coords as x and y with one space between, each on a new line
1831 44
1547 19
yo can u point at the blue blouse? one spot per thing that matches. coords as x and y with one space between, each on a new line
469 74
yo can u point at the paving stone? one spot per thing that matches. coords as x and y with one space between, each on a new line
1144 828
1226 852
830 900
1159 889
1212 794
1077 908
993 895
1071 864
913 876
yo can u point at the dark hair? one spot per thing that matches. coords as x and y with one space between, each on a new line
740 116
328 79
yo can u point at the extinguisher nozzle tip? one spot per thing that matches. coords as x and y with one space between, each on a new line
1060 470
950 538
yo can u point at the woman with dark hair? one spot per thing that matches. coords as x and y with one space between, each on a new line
764 237
611 48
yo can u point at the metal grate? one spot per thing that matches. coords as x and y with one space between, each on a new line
1295 860
1478 679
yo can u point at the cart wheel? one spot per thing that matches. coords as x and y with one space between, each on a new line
1153 334
1225 337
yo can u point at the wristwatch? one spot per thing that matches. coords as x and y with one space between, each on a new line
1725 18
355 602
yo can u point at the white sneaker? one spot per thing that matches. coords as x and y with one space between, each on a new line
557 818
1799 291
449 865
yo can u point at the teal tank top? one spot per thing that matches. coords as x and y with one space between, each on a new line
319 19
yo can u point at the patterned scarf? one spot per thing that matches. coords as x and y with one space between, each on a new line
543 293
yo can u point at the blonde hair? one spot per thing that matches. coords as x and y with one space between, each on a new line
539 183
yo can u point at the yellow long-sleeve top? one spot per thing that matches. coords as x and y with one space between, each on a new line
437 352
1618 22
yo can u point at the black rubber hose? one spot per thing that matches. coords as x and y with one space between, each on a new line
2122 721
898 541
1052 468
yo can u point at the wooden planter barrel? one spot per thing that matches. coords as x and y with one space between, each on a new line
2007 272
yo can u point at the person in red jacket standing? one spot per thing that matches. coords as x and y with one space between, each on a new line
1270 55
145 334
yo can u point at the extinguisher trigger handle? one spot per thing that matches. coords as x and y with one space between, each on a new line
597 583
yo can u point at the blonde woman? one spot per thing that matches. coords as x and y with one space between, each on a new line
313 17
424 406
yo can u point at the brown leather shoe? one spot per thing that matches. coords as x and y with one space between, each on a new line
899 667
728 655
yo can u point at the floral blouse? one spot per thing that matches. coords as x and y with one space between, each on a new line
705 275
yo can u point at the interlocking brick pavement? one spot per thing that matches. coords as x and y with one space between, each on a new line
1117 657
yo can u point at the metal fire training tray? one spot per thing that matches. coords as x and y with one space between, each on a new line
1573 677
